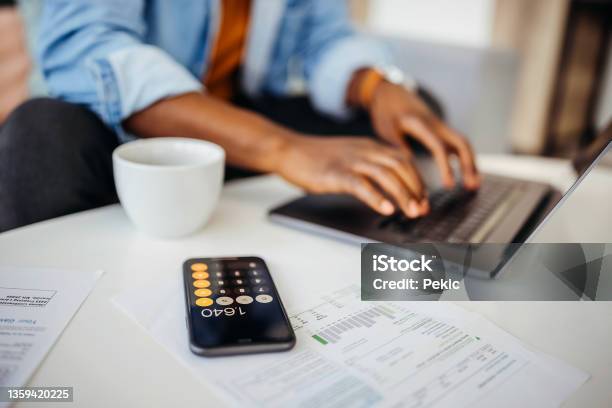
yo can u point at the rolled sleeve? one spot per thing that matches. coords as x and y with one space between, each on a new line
93 53
333 72
133 78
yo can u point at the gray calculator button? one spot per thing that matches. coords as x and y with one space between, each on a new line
225 300
263 298
244 300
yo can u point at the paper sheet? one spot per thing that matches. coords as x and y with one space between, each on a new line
352 353
35 307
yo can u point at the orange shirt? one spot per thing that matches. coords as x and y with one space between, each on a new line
229 47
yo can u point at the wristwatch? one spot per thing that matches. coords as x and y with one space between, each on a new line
375 75
395 75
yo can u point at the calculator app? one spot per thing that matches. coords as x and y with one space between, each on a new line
233 302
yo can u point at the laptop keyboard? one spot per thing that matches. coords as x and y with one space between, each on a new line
456 215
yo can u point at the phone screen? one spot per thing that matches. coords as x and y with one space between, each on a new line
233 307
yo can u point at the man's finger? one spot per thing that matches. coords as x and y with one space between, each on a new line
363 190
391 184
461 146
403 166
388 130
418 129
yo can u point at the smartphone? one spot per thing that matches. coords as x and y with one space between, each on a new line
233 307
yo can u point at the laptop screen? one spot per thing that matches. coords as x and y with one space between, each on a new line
568 221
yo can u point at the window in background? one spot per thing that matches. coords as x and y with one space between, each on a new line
458 22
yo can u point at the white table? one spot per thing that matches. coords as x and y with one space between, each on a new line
110 361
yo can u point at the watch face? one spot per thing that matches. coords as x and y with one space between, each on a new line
394 75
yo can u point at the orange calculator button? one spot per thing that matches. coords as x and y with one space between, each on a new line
202 292
201 283
199 267
199 275
203 302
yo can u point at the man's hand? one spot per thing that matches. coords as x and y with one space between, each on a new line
398 113
364 168
379 175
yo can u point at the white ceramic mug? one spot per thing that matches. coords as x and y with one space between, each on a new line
169 187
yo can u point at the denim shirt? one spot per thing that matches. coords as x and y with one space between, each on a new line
120 56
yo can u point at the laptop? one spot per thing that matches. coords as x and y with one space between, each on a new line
503 210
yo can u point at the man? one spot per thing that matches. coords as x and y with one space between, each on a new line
152 68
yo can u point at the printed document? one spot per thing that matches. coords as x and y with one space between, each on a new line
351 353
35 307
